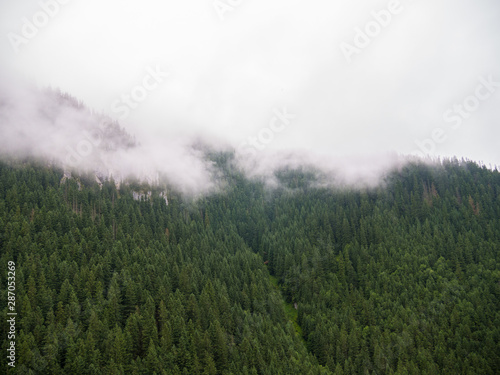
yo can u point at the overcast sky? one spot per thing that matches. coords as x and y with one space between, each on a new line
338 77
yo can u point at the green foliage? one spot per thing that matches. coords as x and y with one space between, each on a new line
403 278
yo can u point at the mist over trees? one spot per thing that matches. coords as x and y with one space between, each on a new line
400 278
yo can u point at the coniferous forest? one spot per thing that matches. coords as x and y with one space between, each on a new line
298 278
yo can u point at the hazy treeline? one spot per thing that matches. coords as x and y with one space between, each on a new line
402 278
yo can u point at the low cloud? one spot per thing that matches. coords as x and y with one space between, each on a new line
56 127
363 79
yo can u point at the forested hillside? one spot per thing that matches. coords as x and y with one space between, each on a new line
402 278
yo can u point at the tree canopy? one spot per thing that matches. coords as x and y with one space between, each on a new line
402 278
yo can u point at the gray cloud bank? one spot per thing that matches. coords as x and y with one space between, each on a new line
409 84
57 127
406 69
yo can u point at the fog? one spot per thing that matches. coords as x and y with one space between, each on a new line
45 125
343 86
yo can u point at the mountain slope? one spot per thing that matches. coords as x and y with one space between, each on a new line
401 278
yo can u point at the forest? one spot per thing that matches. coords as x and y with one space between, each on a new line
298 278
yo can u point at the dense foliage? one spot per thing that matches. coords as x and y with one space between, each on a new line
399 279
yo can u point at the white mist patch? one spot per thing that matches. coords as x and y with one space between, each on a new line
355 170
410 61
56 127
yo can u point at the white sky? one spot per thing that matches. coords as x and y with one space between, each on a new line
227 76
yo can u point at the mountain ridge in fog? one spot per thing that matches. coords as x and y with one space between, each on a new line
52 125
